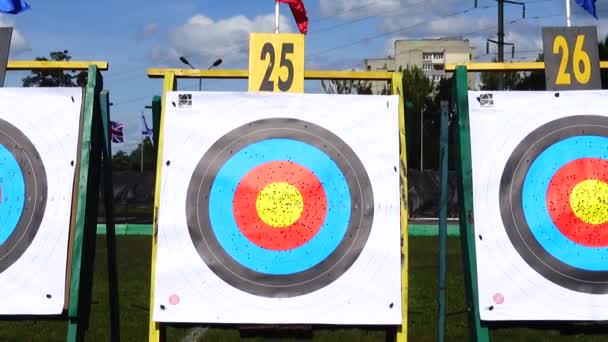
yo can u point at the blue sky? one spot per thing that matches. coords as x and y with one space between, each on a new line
133 35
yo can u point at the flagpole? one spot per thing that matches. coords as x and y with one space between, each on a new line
276 16
568 22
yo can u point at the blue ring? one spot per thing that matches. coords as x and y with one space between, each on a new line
534 201
12 184
279 262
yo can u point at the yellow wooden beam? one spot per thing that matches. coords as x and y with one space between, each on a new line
56 65
397 89
518 66
515 66
155 330
198 73
244 74
347 75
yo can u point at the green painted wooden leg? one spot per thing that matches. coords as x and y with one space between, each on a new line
477 332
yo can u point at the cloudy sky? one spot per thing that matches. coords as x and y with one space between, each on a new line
134 35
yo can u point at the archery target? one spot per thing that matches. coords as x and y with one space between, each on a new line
540 181
288 210
278 238
23 193
38 146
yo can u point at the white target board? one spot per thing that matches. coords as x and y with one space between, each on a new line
279 208
540 189
38 149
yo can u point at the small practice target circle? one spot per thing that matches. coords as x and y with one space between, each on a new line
279 207
554 202
174 299
23 193
498 298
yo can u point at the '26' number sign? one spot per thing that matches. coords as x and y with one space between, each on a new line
571 58
276 62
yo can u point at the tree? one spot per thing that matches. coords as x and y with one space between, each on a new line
347 87
55 78
149 158
417 88
416 85
603 53
121 161
534 80
359 87
490 80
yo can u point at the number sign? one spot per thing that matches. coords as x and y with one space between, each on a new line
276 62
571 58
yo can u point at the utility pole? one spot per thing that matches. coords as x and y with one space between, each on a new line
501 39
141 161
501 34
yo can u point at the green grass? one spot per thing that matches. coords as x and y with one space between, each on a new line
134 256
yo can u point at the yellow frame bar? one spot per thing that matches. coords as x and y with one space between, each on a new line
55 65
156 330
244 74
516 66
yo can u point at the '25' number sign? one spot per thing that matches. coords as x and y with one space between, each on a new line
571 58
276 62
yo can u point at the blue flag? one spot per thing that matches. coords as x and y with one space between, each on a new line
588 5
13 6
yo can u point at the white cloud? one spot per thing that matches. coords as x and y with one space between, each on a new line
353 8
147 31
18 41
202 39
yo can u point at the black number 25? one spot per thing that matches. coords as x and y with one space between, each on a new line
268 52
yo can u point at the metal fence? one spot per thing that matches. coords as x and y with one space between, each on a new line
134 196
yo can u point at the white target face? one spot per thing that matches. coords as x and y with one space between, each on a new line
38 147
282 208
540 183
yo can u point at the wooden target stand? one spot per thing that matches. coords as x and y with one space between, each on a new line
478 330
276 63
93 163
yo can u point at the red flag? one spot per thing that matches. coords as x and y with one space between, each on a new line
299 13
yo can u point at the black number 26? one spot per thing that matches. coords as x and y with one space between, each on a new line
269 53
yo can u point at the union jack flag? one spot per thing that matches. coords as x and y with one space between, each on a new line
117 134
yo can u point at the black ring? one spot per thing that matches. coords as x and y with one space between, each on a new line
267 285
34 175
511 207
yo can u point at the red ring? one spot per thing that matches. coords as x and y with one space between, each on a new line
558 201
298 233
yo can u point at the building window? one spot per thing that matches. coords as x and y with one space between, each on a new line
427 67
437 55
427 56
438 67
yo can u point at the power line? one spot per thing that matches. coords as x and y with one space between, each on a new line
121 76
373 37
367 17
401 30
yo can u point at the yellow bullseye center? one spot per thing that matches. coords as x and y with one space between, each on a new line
589 201
279 205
